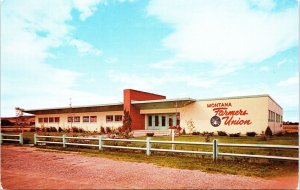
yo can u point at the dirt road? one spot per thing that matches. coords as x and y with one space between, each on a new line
28 168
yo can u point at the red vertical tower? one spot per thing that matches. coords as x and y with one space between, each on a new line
138 120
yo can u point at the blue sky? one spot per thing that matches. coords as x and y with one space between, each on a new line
91 50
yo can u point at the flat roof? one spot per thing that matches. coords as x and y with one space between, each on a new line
146 104
77 109
163 103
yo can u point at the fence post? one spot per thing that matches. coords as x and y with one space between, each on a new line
21 138
100 142
34 138
148 145
215 150
64 141
173 136
0 138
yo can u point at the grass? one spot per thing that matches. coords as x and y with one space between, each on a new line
228 165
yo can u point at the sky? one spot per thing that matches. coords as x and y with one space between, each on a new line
90 50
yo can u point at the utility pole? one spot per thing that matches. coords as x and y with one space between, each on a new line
70 104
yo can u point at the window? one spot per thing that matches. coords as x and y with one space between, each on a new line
77 119
86 119
109 118
46 120
70 119
178 119
56 119
163 120
41 120
118 117
156 121
170 120
93 119
150 120
51 119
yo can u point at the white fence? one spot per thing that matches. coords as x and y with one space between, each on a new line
19 139
214 153
148 142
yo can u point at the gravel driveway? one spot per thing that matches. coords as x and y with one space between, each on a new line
28 168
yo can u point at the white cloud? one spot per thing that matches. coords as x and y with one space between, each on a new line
263 4
148 82
264 69
292 81
165 64
111 60
226 32
284 61
84 47
86 7
29 30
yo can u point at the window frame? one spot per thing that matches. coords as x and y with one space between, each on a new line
109 118
117 118
93 119
85 119
76 119
56 119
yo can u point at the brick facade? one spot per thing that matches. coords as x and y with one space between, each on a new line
138 120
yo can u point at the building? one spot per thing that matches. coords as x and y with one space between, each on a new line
290 127
150 111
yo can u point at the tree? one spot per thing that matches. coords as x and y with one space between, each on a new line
268 132
190 125
126 121
126 128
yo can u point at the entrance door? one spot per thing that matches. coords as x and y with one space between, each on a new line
161 121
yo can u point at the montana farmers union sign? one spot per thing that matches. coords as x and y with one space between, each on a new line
224 113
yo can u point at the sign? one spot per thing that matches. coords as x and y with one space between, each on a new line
224 113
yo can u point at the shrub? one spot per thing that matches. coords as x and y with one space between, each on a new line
251 134
263 137
235 134
279 134
150 134
81 130
52 129
108 130
26 140
102 130
60 129
291 134
196 133
75 129
207 137
183 132
222 133
268 132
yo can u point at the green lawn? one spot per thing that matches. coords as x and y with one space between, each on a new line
230 165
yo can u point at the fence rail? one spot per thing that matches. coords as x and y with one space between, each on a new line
19 139
148 142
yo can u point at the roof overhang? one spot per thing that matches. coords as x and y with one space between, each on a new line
162 104
77 109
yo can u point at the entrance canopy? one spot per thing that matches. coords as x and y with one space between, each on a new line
77 109
162 104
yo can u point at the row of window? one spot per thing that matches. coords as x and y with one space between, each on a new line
274 117
85 119
111 118
48 120
77 119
